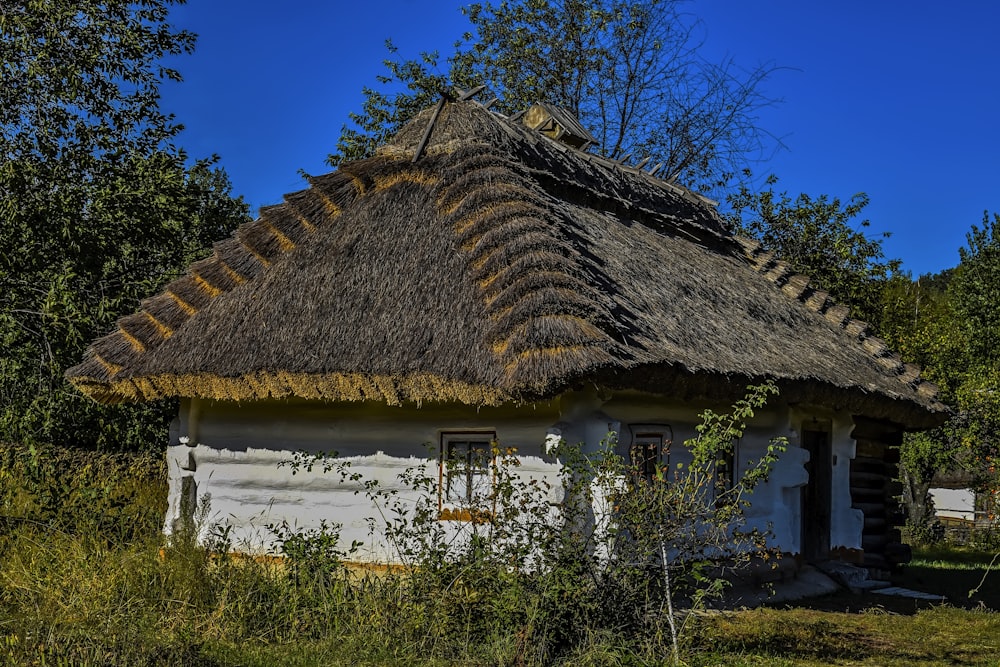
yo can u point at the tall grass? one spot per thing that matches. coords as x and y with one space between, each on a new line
86 578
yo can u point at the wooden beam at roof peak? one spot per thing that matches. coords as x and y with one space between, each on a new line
468 95
430 128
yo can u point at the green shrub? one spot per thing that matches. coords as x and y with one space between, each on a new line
119 496
533 579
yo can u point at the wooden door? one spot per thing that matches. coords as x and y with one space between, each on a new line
816 495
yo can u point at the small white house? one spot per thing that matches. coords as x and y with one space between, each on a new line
961 505
954 504
483 278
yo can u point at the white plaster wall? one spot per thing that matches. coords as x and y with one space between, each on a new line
846 523
233 454
238 456
954 503
776 503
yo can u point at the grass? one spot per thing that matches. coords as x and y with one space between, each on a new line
68 600
81 590
966 577
870 629
941 635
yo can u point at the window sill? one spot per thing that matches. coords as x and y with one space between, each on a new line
469 515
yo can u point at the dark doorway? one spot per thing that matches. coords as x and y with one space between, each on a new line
816 495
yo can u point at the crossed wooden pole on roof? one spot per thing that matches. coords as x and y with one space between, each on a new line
457 94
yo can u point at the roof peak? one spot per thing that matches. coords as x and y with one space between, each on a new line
454 123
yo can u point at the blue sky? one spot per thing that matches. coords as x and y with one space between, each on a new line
897 99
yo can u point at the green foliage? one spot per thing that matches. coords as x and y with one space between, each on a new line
973 295
407 87
98 208
950 325
628 69
538 564
979 407
314 556
918 321
925 452
686 522
82 492
821 239
974 290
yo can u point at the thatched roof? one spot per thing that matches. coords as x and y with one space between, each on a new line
499 266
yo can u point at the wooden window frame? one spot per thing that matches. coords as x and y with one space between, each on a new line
450 507
655 441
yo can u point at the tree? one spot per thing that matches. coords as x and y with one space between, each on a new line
416 85
819 238
98 207
973 293
974 290
950 324
630 70
947 323
917 321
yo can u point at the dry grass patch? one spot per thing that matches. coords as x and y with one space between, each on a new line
941 635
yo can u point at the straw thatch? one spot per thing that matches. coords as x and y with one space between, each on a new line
500 266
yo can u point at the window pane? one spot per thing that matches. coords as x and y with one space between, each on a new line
646 454
480 455
467 470
456 482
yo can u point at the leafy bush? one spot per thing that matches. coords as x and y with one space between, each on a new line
985 539
119 496
925 532
535 567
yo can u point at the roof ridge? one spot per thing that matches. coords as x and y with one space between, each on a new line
552 175
565 117
513 128
800 288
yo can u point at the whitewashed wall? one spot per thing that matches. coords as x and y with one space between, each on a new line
846 523
237 454
234 454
